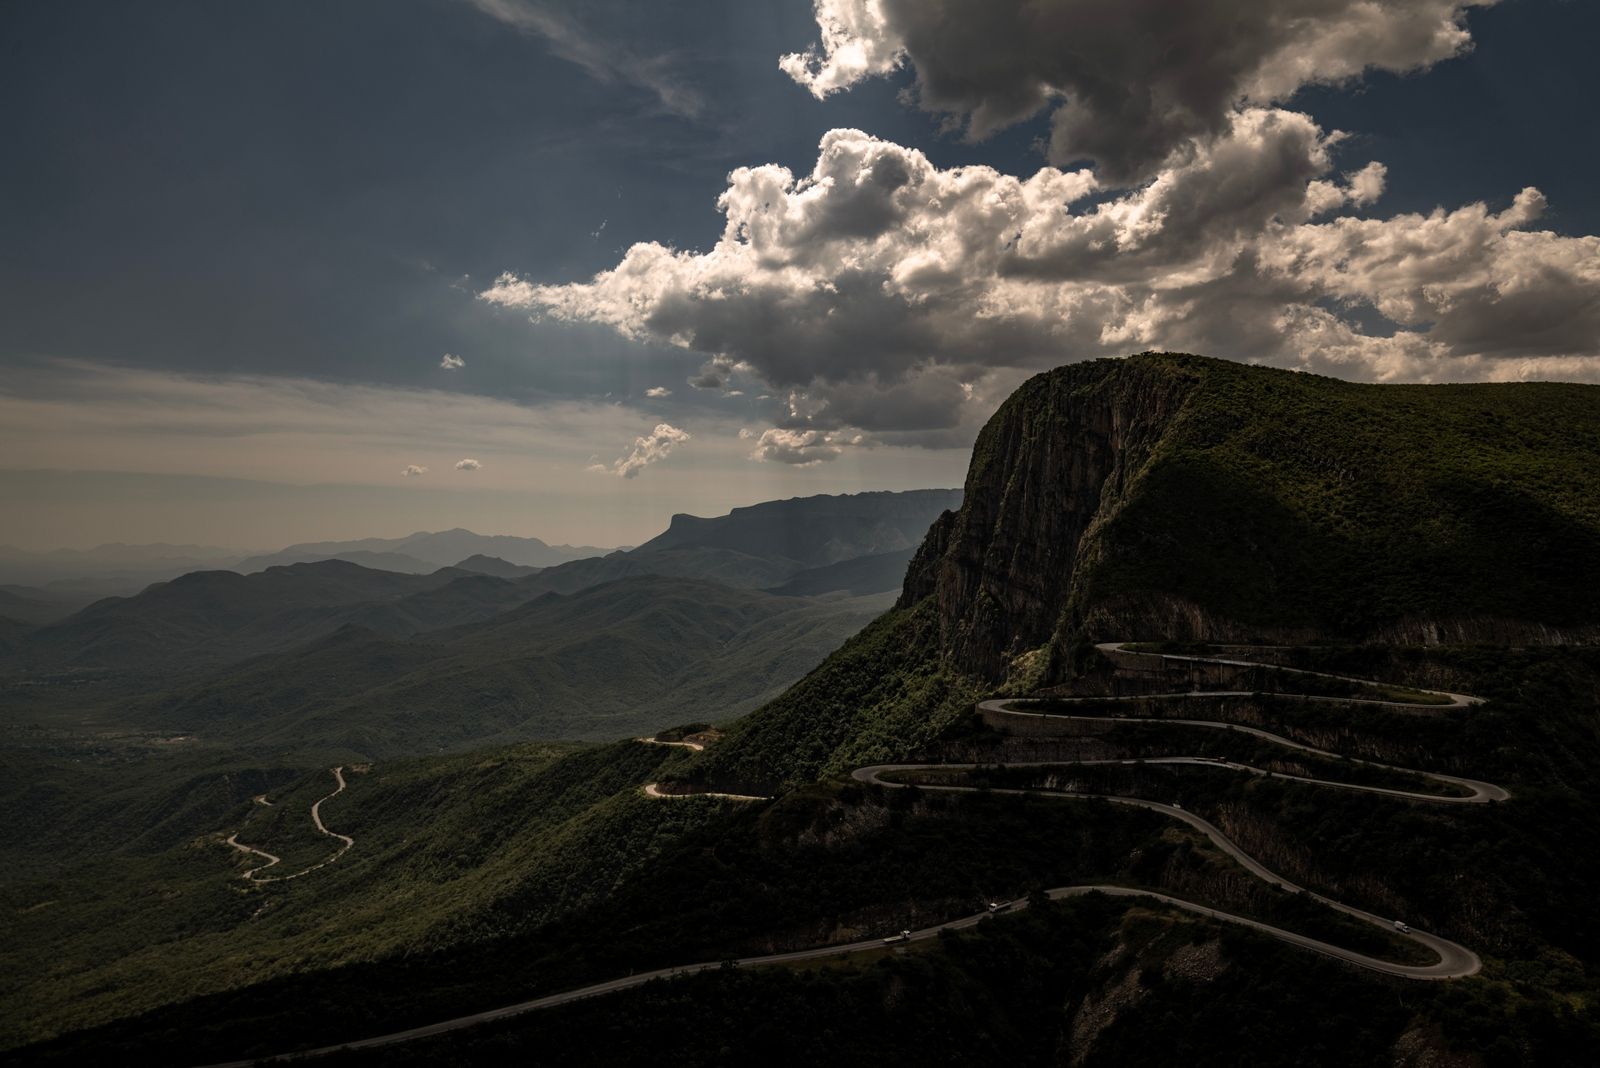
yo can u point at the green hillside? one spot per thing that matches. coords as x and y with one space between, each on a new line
882 695
859 575
610 661
1287 500
211 617
448 905
438 849
1169 496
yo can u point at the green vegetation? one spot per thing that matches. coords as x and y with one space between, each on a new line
991 997
439 862
1022 990
883 694
1284 501
448 907
820 864
611 661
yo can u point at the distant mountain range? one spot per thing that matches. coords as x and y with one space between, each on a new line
757 546
76 577
423 552
332 654
813 531
205 619
493 565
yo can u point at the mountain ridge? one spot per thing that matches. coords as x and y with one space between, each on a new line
1184 497
209 618
433 549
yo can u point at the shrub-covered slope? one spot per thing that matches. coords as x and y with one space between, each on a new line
607 662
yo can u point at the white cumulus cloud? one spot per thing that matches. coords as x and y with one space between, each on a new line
647 449
801 448
468 465
882 293
658 391
452 363
1130 80
414 470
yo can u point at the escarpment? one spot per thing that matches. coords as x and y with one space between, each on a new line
1057 458
1172 496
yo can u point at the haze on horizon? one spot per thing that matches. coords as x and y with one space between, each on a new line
319 271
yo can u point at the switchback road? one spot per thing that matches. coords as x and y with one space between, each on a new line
316 818
1454 960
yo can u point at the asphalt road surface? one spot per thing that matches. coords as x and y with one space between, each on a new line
1454 960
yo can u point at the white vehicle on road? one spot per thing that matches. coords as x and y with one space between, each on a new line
999 906
1399 925
903 936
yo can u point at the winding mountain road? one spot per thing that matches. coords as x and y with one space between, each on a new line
696 746
1455 700
316 818
1454 960
652 789
1477 792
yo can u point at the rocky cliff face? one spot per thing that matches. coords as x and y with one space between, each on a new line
1169 496
1057 457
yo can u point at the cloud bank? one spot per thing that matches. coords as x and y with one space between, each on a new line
878 292
1131 81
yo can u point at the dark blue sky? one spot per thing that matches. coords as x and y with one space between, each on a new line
292 187
319 188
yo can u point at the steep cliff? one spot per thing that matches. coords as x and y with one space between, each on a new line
1059 456
1179 497
1171 496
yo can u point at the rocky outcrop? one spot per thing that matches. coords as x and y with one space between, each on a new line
1179 497
1057 457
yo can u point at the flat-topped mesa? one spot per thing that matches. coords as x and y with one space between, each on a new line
1173 496
813 531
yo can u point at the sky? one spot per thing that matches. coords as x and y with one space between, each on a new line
343 268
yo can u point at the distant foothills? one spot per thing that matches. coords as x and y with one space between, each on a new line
41 587
74 577
377 648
